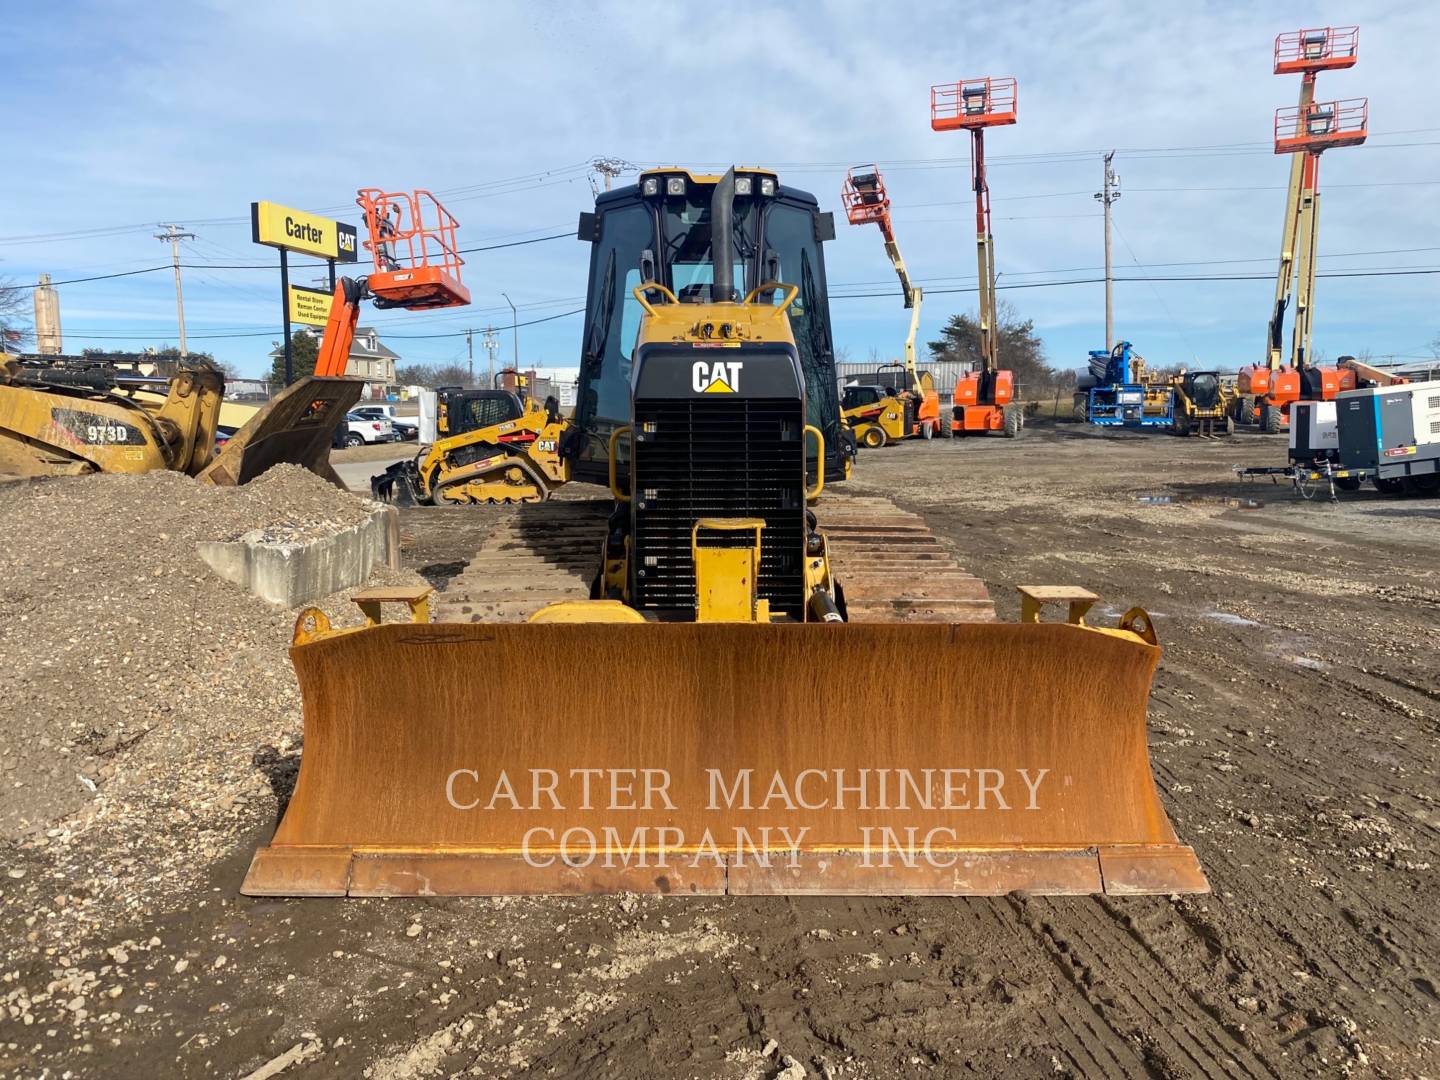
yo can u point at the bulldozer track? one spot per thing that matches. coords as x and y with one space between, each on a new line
889 564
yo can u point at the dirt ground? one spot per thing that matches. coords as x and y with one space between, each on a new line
1293 733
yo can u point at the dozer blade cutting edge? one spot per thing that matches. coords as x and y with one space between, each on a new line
713 758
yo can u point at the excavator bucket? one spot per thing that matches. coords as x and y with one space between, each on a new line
295 426
723 759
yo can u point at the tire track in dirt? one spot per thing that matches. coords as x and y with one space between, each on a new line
1138 998
1343 984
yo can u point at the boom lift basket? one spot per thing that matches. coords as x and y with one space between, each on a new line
971 104
412 244
1327 48
1321 125
864 196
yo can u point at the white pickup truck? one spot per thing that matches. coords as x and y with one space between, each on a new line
406 427
362 430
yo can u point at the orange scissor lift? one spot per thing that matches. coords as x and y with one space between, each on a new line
867 202
1305 131
985 398
412 245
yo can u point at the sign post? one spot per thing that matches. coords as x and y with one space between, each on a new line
285 299
307 234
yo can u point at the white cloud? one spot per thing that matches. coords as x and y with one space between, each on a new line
186 112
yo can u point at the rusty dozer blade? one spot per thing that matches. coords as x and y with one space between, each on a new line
295 426
719 758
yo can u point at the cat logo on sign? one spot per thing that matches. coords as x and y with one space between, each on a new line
719 377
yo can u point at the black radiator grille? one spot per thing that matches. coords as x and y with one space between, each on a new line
735 457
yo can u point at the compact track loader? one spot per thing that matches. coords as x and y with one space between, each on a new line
492 446
1201 404
737 712
70 419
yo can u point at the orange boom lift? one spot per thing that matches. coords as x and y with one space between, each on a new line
412 246
984 399
1305 131
866 200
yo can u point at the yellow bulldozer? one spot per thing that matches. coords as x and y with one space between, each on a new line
68 418
730 628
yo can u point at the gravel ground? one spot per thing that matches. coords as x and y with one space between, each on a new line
146 703
1293 733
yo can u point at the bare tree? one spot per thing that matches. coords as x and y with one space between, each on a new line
1020 348
15 307
432 375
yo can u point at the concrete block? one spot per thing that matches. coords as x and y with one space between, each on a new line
290 573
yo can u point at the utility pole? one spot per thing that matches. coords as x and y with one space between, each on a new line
609 168
470 353
492 346
1108 195
514 329
173 234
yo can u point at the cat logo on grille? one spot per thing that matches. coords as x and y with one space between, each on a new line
720 377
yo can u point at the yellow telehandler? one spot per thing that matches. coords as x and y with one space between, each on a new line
733 710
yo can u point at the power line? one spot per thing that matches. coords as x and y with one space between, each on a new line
579 171
1144 278
98 277
271 266
120 335
1408 272
1151 266
505 185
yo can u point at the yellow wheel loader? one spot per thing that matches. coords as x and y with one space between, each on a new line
59 419
492 446
729 631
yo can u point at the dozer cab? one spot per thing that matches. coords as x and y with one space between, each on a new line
729 720
491 446
66 418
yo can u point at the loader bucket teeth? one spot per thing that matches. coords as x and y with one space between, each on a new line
713 758
397 485
295 427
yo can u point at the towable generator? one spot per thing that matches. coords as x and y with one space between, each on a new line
735 713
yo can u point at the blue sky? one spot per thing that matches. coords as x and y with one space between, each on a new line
123 115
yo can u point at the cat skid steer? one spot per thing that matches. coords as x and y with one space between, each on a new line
734 709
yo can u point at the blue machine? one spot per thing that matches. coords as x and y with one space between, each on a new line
1119 396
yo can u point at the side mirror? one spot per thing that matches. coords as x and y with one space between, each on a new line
647 265
772 265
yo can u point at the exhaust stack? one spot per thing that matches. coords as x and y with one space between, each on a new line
722 238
